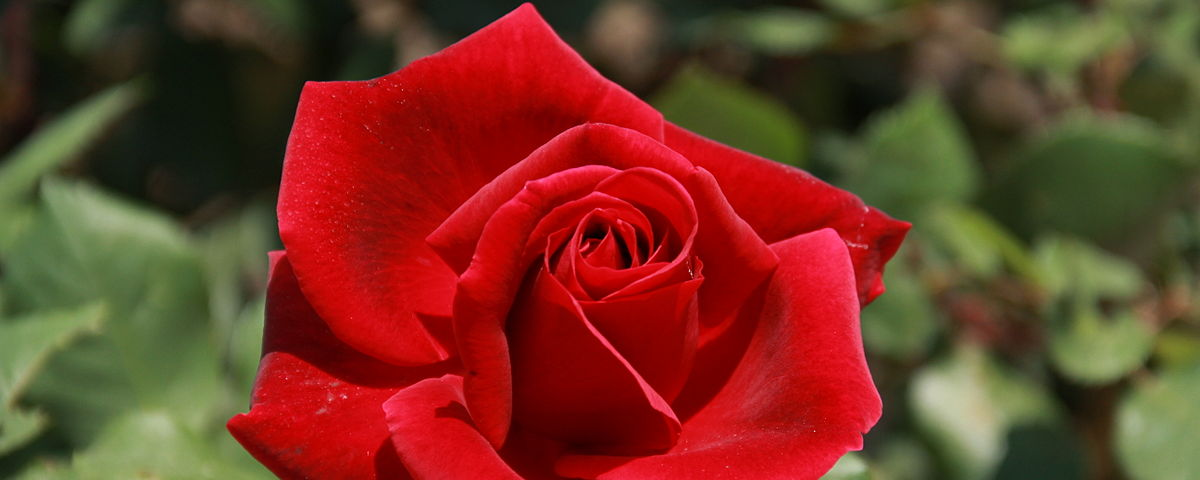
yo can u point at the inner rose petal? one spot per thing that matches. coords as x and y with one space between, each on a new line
672 218
571 384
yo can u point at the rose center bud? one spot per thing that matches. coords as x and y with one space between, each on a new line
603 333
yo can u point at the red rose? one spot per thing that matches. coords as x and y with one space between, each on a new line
499 264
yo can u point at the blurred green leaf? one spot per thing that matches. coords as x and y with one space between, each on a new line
1060 39
1098 178
173 452
1092 349
1157 424
1177 347
63 139
916 155
1072 267
15 218
18 427
903 458
88 247
25 345
1087 344
27 342
975 241
850 467
1042 452
235 263
726 111
245 348
901 324
965 405
785 31
858 8
90 23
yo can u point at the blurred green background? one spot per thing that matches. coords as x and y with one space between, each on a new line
1041 321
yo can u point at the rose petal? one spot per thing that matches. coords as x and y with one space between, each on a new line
801 396
570 384
488 288
737 261
760 189
590 144
312 388
373 167
434 436
655 331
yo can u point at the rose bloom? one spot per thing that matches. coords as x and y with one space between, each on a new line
499 264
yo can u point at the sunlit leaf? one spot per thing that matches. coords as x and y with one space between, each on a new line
785 31
965 405
1088 344
1060 39
25 345
88 246
850 467
1157 424
27 342
153 445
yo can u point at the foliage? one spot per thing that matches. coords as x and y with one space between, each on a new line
1041 321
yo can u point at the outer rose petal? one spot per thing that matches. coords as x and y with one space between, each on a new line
801 396
373 167
781 202
434 436
316 403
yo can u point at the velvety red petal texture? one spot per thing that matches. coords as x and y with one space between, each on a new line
800 397
316 407
780 202
434 436
572 385
373 167
492 239
488 288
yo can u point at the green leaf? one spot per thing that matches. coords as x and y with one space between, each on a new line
965 405
916 155
1102 179
1086 344
64 139
974 241
1091 349
850 467
1177 347
1157 424
18 427
235 262
25 345
785 31
90 24
157 348
1072 267
1043 452
27 342
726 111
902 323
1060 39
903 458
153 445
858 8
